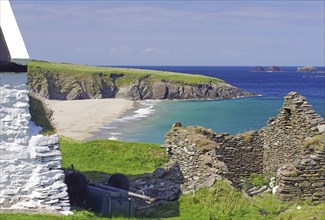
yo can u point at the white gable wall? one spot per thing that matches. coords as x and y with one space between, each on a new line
12 35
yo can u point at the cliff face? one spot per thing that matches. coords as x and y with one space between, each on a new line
63 85
144 89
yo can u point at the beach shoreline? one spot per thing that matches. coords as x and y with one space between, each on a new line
120 127
79 119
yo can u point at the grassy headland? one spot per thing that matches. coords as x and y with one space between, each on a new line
70 81
129 74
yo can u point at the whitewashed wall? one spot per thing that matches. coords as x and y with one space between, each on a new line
30 164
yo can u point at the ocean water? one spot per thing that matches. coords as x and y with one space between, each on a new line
150 120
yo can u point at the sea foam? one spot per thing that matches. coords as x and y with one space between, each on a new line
146 109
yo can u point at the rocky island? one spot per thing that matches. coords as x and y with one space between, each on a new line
309 69
258 69
273 69
268 69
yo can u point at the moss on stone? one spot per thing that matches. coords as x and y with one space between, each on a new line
317 143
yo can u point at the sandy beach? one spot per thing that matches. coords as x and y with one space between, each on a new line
77 119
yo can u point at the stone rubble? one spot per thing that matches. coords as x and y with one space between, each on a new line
164 185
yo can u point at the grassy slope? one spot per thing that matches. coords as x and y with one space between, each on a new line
98 158
129 74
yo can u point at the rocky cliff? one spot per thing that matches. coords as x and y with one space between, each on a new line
63 81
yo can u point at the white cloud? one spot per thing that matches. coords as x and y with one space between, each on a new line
148 50
154 51
121 51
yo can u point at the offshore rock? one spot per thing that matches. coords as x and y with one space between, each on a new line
273 69
309 69
258 69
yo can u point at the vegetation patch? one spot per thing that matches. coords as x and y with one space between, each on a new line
247 136
317 143
259 180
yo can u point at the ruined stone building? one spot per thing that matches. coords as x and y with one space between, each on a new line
291 146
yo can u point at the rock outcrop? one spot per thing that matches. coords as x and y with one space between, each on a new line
205 156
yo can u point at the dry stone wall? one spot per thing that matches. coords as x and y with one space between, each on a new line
284 135
305 176
195 155
204 156
31 177
243 155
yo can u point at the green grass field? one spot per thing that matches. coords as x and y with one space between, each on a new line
98 158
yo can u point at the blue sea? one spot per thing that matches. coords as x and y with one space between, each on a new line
150 120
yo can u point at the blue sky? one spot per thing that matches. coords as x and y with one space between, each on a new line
217 33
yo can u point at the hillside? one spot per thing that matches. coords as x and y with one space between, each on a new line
63 81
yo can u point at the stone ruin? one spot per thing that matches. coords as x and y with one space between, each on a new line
291 146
